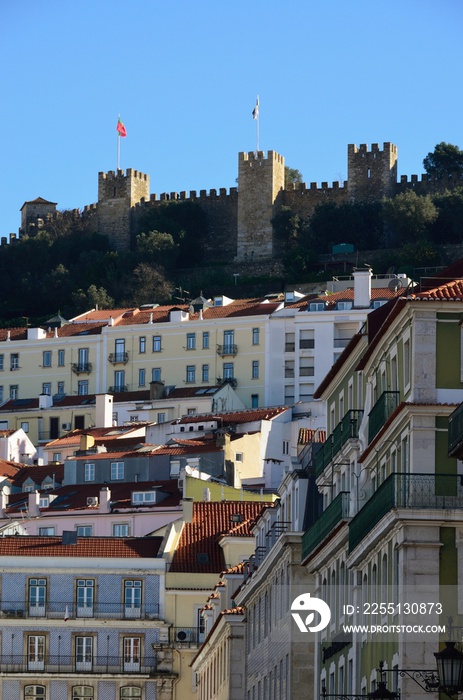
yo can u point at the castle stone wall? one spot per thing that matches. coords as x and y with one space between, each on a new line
371 172
118 193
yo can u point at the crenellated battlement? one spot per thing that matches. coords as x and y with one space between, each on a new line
192 196
130 173
363 150
253 157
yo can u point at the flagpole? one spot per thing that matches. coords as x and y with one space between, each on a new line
258 125
118 151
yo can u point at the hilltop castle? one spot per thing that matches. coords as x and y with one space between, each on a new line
240 220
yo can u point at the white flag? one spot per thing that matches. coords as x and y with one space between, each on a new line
255 111
66 614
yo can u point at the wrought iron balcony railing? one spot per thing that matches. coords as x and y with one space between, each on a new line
62 610
336 512
417 491
118 358
455 444
97 664
81 367
229 349
345 430
385 405
117 387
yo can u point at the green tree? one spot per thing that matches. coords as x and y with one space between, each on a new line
149 285
409 217
446 161
157 247
292 176
448 227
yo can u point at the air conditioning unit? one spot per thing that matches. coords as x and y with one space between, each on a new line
66 426
92 501
183 635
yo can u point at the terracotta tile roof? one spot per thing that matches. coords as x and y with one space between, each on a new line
198 549
32 546
39 473
100 435
9 469
245 416
307 435
188 449
119 454
238 569
449 291
74 496
37 200
102 315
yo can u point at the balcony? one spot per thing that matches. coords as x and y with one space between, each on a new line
117 388
73 664
419 491
186 636
81 367
57 611
345 430
227 350
455 444
336 512
118 358
386 404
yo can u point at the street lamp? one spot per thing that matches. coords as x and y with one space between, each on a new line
450 669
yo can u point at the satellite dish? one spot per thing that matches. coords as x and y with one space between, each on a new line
395 284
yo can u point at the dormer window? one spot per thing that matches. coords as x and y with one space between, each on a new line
344 305
317 306
378 302
141 497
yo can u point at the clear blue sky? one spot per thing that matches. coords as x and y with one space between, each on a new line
184 75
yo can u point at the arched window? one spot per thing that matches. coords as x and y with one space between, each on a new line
130 691
384 579
82 691
34 692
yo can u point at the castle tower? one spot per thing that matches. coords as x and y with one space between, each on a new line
34 213
372 174
117 194
260 180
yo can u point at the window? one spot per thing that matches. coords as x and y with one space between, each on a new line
191 341
379 302
37 596
44 501
407 363
289 369
255 336
46 358
286 447
228 342
156 343
2 357
161 417
82 362
89 471
14 361
36 652
117 471
60 387
84 653
317 306
132 598
34 692
228 370
206 340
25 426
119 380
121 530
119 350
205 373
82 691
46 388
190 374
289 342
238 456
131 647
307 339
306 367
255 369
85 594
142 344
289 394
82 387
129 691
143 497
84 531
1 394
344 305
14 391
46 531
254 400
60 358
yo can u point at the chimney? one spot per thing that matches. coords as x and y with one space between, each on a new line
362 289
86 442
33 504
104 404
156 390
105 500
3 503
187 504
45 401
